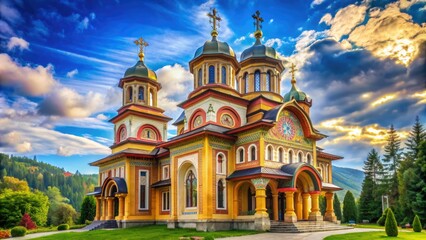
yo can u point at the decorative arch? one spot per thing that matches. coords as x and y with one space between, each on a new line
113 182
300 156
143 130
290 156
199 112
220 163
121 134
232 113
281 154
244 193
309 174
309 158
252 152
269 152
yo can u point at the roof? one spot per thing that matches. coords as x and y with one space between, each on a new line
296 94
208 127
256 171
214 47
131 152
258 50
140 70
161 183
329 156
96 191
180 118
330 186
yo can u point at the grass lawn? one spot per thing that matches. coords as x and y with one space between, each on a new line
148 232
53 228
377 235
366 225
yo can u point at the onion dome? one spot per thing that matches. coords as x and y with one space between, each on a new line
140 69
214 47
294 92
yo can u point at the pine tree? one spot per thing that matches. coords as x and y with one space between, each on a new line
88 209
420 183
349 208
369 203
391 160
391 227
417 135
337 208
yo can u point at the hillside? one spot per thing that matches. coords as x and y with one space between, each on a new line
348 179
40 175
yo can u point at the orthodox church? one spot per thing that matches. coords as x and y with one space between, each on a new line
244 155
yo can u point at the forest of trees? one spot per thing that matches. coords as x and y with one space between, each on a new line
400 175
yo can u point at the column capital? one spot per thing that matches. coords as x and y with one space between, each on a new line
306 195
329 194
260 183
287 189
315 192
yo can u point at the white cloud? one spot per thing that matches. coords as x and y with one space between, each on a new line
83 24
6 29
101 117
32 81
271 21
17 42
92 16
346 19
274 42
72 73
326 19
316 2
239 40
406 4
9 13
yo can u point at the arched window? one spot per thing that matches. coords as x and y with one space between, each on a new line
252 153
223 75
290 156
151 98
299 157
191 190
141 96
236 85
200 78
268 81
220 166
220 194
309 158
257 81
122 135
240 155
211 74
269 153
246 82
280 155
129 94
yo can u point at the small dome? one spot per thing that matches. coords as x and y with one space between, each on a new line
295 94
214 47
258 50
140 70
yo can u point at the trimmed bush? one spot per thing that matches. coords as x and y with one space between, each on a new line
391 226
382 219
63 227
18 231
417 225
4 234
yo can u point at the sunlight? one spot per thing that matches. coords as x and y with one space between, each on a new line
383 100
403 50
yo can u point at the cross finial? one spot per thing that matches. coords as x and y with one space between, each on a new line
293 73
257 22
141 43
214 20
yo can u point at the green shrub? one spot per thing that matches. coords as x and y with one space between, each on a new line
18 231
391 226
382 219
63 227
417 225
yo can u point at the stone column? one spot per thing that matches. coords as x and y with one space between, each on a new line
329 213
262 222
104 208
98 209
121 203
315 214
110 208
275 206
305 197
290 215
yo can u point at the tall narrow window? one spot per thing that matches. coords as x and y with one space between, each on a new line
309 158
280 155
257 81
220 194
166 201
269 153
141 96
240 155
143 189
252 153
299 157
166 172
223 75
122 135
246 82
237 85
129 94
268 81
290 156
151 98
220 164
200 78
211 74
191 190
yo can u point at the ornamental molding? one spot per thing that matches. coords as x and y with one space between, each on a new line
112 166
181 150
139 163
260 183
248 138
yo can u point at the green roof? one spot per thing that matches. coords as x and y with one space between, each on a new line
214 47
258 50
140 70
295 94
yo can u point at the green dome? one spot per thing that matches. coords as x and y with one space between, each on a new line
140 70
258 50
295 94
214 47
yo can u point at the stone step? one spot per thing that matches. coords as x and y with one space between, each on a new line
305 226
101 224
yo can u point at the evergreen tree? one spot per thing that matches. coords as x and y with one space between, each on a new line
417 225
369 203
391 227
391 160
88 209
420 183
337 208
417 135
349 208
322 204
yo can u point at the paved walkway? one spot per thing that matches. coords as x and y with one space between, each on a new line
42 234
299 236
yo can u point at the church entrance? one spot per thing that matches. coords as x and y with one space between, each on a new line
246 199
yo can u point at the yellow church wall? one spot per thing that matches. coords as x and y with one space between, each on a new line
128 145
133 123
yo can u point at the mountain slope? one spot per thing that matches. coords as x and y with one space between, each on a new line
348 179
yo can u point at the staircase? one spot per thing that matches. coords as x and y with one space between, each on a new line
305 226
101 224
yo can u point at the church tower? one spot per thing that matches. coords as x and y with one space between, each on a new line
261 68
140 123
304 101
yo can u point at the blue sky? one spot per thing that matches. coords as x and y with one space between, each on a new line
362 63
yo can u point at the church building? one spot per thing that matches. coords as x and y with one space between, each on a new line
244 155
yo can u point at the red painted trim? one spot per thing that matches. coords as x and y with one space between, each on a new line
159 138
196 113
315 192
287 189
212 93
234 114
308 169
117 134
205 132
251 126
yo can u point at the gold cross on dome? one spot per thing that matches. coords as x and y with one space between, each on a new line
214 19
141 43
293 72
258 20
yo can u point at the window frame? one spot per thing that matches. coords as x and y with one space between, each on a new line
163 176
250 152
212 74
165 208
239 160
257 81
223 75
223 194
146 190
223 163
